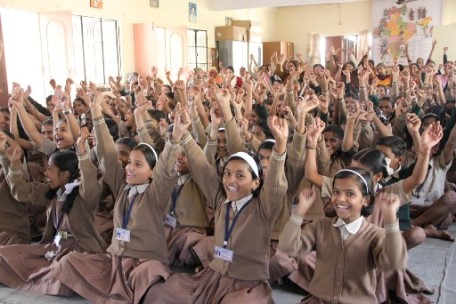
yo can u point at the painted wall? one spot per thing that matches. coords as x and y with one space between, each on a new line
171 13
295 23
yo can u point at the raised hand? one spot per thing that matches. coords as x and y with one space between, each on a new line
306 105
278 127
223 97
181 123
179 85
14 153
154 71
389 203
216 115
340 89
413 123
306 199
314 131
82 139
431 136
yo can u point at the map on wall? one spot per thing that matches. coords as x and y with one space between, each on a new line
396 24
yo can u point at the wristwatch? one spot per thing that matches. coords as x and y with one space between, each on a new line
66 112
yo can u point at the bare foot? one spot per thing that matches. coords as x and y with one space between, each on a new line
433 232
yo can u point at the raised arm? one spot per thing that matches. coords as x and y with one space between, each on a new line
113 173
391 252
275 184
313 133
21 189
430 137
296 241
90 190
27 124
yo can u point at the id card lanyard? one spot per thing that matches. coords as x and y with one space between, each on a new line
127 213
229 228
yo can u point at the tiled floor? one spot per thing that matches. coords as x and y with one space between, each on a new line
434 261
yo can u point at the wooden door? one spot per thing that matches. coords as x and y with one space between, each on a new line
336 42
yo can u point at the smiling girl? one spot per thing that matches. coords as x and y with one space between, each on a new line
349 250
71 205
244 218
137 257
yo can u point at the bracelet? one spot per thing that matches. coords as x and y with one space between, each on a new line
66 112
310 148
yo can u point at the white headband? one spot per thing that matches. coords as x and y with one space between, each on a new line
270 140
249 159
358 174
150 147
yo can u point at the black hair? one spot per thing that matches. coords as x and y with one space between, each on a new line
386 98
260 111
255 192
267 145
156 114
128 141
365 191
168 86
66 161
373 159
49 98
170 95
397 145
265 128
113 128
148 154
439 112
230 68
81 100
48 122
337 130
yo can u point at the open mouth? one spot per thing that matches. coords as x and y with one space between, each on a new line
342 207
230 189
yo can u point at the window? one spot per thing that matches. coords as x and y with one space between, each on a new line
96 48
197 49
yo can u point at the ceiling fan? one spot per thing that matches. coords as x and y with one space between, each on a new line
399 2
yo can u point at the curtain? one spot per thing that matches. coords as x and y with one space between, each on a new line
363 44
314 49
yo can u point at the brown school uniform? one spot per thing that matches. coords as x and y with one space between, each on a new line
407 285
281 264
26 267
129 268
244 279
190 213
14 222
345 271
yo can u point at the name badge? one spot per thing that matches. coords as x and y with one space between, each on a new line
57 239
223 254
123 234
171 221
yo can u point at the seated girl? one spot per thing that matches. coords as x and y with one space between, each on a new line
349 249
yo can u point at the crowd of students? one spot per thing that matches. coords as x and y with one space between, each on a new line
323 176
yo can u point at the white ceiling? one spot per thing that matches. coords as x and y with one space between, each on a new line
223 5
